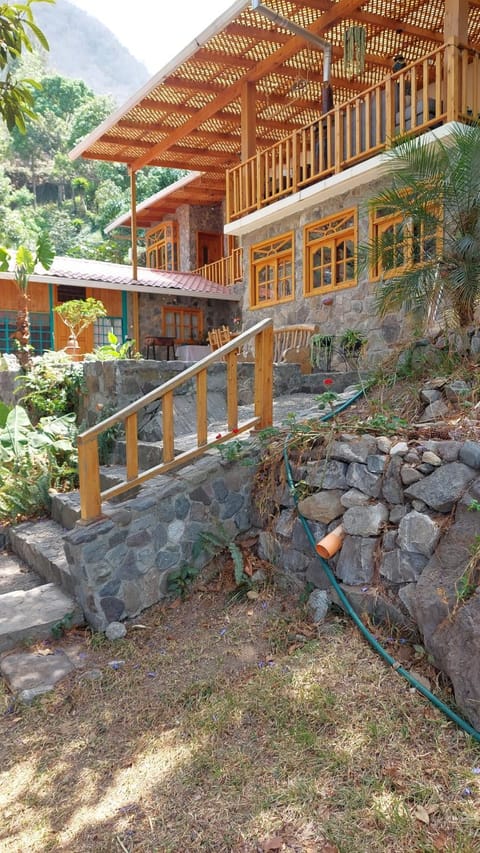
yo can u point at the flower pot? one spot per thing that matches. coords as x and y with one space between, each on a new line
331 543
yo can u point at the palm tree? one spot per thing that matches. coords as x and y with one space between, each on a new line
432 246
25 263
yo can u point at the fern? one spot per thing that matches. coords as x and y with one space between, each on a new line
238 564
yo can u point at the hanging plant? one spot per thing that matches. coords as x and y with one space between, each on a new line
354 46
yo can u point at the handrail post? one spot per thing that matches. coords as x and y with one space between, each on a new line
232 390
89 480
452 73
264 377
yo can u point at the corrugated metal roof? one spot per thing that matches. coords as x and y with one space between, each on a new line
119 276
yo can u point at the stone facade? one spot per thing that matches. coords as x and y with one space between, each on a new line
351 308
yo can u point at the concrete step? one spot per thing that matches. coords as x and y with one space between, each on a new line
15 575
28 615
40 545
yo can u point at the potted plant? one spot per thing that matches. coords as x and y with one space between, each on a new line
321 350
352 342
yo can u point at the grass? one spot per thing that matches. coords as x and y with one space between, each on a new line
234 729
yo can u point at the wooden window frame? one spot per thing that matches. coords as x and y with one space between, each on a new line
182 312
161 244
276 252
335 231
410 243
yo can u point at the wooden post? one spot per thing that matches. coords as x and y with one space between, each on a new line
452 74
89 480
202 425
131 440
264 377
133 222
167 427
248 130
232 390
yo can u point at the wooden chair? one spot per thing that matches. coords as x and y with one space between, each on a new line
218 337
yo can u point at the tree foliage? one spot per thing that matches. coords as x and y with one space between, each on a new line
432 253
18 32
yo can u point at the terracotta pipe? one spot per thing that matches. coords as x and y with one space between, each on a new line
331 543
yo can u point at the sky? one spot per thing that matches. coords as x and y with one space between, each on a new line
154 31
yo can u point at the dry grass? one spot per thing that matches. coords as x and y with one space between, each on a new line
224 730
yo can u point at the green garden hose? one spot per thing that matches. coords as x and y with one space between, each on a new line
455 718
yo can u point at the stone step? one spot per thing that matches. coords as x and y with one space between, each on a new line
15 575
28 615
40 545
65 509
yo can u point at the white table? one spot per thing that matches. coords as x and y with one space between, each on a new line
191 352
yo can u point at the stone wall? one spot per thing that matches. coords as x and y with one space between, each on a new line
120 564
408 512
150 307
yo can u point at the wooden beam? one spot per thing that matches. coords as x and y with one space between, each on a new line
339 10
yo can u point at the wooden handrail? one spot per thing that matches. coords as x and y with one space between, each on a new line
91 496
353 131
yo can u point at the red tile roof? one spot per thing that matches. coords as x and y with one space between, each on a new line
120 277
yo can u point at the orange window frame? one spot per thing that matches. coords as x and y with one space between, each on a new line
186 325
272 271
161 244
408 245
329 252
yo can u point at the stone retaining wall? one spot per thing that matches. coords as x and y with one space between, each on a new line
408 511
120 564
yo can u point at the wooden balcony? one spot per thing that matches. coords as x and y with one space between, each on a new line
225 271
443 86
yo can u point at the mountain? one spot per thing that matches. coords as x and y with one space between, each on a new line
83 48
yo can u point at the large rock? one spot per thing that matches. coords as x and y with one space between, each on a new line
451 626
359 477
365 520
392 488
470 454
327 474
443 488
418 533
354 498
434 412
355 450
401 566
322 506
356 562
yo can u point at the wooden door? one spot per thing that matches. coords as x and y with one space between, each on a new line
209 248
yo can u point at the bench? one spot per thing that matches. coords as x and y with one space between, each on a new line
291 344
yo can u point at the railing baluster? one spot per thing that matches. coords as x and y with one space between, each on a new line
131 441
264 377
167 427
202 413
232 391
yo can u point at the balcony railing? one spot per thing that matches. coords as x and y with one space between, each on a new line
442 86
226 270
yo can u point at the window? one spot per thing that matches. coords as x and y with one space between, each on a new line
183 324
330 253
400 241
162 246
40 332
103 326
272 271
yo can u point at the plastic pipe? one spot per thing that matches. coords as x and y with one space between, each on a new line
455 718
331 543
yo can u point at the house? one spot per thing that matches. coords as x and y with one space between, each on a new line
284 112
158 303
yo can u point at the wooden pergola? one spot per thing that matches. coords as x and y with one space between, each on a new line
245 83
